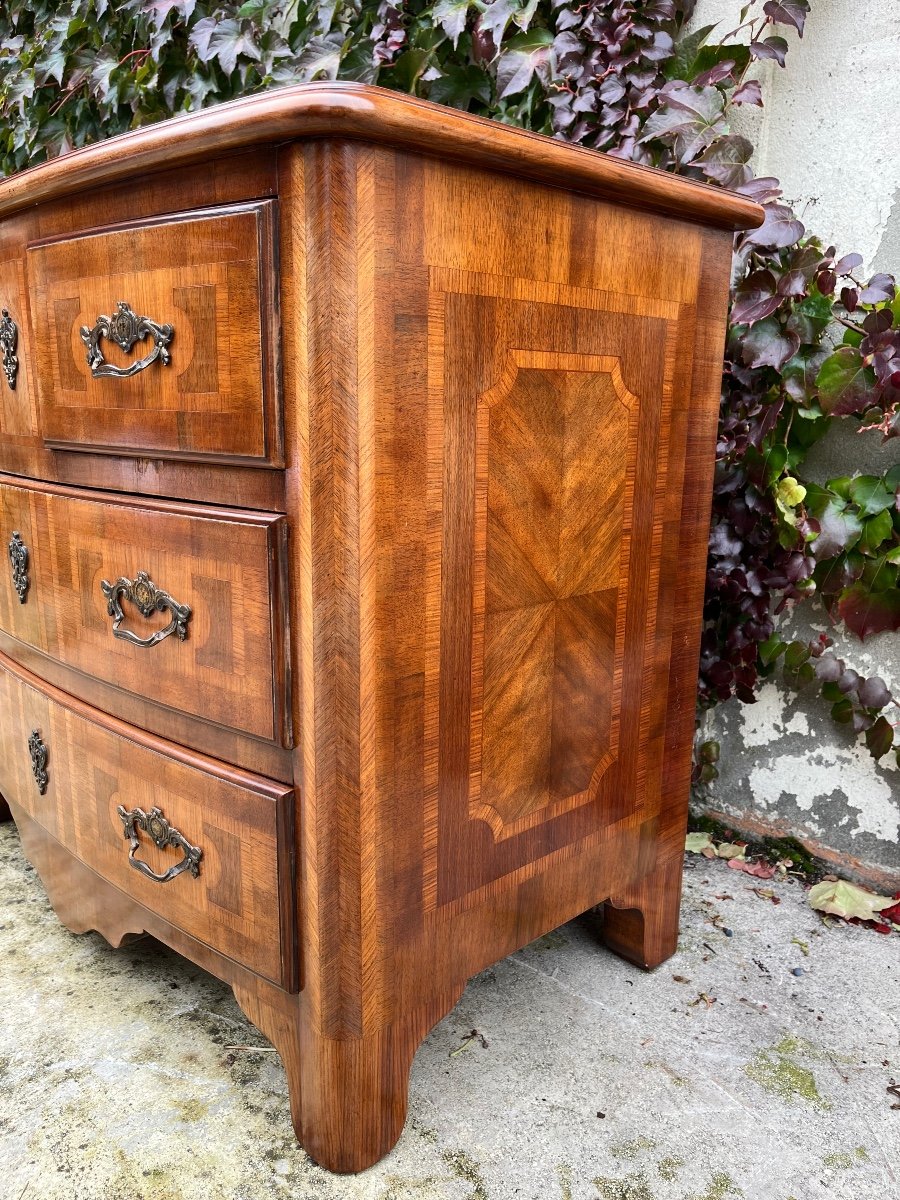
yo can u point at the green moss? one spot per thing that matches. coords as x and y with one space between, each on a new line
565 1181
632 1187
630 1150
191 1110
466 1168
720 1186
668 1168
844 1160
780 1075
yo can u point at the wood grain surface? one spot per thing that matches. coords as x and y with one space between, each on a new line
207 274
241 901
224 564
500 370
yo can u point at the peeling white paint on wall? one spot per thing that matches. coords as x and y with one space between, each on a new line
830 773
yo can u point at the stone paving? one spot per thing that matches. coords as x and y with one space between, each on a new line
132 1075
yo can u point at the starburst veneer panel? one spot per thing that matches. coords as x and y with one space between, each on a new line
550 496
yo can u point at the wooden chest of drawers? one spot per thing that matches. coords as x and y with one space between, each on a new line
354 477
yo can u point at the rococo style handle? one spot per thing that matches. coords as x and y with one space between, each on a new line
148 598
9 336
38 752
125 328
18 561
163 834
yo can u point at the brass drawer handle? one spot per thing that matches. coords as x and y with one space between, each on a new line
9 336
148 598
163 834
38 752
18 561
125 328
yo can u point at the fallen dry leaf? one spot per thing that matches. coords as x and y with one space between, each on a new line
759 869
846 900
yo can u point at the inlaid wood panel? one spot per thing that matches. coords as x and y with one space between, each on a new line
553 501
225 565
239 903
208 275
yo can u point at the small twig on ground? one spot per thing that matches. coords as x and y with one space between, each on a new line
258 1049
467 1042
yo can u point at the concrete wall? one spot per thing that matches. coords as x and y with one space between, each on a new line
828 131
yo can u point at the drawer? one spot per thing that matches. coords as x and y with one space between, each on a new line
224 836
161 337
179 604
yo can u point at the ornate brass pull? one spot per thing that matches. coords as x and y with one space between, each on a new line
9 336
148 598
163 834
125 328
18 561
38 752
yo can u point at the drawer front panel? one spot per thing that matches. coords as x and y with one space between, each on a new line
235 894
213 645
204 284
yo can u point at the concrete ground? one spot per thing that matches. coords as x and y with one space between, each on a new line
131 1075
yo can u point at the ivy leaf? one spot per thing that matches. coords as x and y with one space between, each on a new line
725 161
873 692
780 228
524 55
870 494
880 737
450 15
868 612
690 117
844 382
495 17
749 92
681 64
774 48
875 531
877 290
768 344
755 298
459 86
839 530
788 12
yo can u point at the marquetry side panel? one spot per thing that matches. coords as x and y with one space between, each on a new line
225 565
237 903
207 274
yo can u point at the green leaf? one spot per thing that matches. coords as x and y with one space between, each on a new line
875 531
842 711
796 654
771 649
847 900
870 493
845 383
681 64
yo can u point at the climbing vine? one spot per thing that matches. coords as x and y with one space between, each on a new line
810 341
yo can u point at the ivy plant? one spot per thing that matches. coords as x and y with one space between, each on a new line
810 341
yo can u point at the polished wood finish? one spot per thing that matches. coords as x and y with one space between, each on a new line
350 110
500 401
241 902
226 565
209 275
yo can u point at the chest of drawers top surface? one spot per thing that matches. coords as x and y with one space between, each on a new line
355 462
